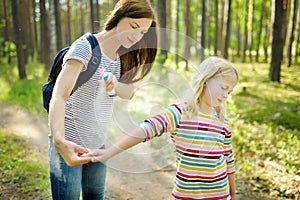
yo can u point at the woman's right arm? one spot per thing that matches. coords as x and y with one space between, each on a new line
61 92
125 91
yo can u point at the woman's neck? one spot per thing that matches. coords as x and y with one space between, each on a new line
109 43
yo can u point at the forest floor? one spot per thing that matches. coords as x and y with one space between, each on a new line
155 185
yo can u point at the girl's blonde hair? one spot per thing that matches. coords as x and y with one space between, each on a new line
211 67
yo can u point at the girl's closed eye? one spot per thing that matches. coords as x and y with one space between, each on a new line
226 88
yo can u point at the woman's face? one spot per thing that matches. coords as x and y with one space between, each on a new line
131 30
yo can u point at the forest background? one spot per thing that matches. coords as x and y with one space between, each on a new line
260 36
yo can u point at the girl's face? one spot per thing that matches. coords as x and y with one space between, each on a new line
131 30
216 91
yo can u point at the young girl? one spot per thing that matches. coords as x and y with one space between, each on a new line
79 121
200 133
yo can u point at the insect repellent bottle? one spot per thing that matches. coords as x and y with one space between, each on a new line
111 93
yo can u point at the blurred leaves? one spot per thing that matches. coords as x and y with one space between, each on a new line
266 135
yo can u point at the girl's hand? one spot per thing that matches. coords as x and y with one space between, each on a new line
233 197
97 155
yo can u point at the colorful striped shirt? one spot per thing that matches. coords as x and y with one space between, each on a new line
204 154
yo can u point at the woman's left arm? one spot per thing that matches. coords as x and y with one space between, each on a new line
124 91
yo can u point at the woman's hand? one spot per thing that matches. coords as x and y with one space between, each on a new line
71 152
97 155
109 79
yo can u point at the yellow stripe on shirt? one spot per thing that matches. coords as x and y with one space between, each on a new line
201 191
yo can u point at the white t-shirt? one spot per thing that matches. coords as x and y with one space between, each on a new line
88 110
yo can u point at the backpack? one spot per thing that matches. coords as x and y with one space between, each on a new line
84 76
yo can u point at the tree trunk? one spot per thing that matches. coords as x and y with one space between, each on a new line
90 13
245 46
269 30
162 31
30 23
277 42
250 26
177 34
24 27
6 27
238 32
45 37
68 34
203 28
220 19
217 27
261 25
57 25
226 28
82 18
187 34
297 35
18 41
290 34
35 32
97 16
272 21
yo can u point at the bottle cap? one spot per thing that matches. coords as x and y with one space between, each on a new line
105 76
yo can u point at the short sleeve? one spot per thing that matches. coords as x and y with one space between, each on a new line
80 50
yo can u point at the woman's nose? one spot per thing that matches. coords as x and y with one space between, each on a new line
138 35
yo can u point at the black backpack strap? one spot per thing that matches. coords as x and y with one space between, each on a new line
93 63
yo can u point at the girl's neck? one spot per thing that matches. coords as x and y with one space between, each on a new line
205 109
109 43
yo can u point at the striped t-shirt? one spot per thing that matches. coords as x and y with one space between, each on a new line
204 154
89 108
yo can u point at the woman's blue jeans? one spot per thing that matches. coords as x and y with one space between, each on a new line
67 182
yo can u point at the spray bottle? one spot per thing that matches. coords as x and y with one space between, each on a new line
111 93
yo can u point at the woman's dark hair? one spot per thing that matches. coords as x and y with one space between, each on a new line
136 60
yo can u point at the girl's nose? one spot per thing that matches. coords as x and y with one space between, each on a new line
225 95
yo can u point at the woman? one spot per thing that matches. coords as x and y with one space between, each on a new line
79 121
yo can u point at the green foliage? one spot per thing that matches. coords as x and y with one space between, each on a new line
20 166
266 118
25 93
266 102
265 134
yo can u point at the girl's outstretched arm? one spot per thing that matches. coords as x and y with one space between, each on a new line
125 142
164 122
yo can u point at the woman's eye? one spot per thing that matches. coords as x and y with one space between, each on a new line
133 26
